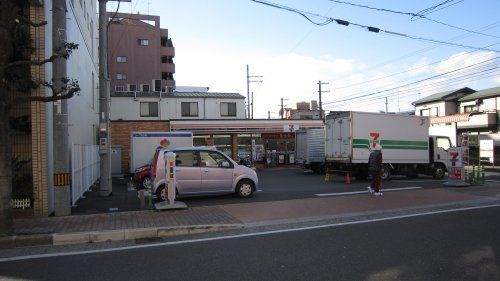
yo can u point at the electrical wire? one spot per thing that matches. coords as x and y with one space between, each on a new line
418 15
482 74
412 83
406 71
423 50
428 86
327 20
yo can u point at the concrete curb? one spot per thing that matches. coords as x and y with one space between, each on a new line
57 239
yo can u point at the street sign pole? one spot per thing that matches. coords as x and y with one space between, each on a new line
170 204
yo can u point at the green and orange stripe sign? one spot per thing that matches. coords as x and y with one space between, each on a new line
392 144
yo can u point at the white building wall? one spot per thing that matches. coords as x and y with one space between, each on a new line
126 108
82 65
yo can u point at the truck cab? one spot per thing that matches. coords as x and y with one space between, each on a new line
438 154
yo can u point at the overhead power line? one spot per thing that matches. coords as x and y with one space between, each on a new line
327 20
419 15
481 74
406 71
433 8
412 83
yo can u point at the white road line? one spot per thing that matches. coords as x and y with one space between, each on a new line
364 191
492 181
422 180
41 256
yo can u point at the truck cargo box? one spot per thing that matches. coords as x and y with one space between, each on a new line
144 144
351 135
310 146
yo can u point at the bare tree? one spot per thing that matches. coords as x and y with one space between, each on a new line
16 85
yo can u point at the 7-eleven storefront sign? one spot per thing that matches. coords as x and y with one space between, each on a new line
455 163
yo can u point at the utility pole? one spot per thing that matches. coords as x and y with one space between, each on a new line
62 203
252 105
282 112
320 103
250 113
269 114
104 146
386 105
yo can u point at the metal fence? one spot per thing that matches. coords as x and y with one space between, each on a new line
84 169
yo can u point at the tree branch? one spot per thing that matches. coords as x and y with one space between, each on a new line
69 94
21 19
32 62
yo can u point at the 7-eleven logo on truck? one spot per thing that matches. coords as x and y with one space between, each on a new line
374 139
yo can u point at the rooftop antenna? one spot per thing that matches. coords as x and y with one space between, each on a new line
148 12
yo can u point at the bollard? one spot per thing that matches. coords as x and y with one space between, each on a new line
347 178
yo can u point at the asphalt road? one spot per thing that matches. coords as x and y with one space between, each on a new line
461 245
295 183
275 184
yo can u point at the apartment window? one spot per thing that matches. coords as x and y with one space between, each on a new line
189 109
164 41
227 109
145 87
167 76
121 59
121 76
93 90
166 59
469 108
132 87
143 42
157 85
149 109
431 112
119 88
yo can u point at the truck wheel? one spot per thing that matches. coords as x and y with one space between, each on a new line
386 173
438 171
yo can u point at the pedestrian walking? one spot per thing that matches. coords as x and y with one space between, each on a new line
375 168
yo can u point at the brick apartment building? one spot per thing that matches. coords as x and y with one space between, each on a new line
140 54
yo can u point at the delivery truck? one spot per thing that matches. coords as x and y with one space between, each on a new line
143 145
406 145
310 149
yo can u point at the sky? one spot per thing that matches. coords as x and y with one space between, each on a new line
215 40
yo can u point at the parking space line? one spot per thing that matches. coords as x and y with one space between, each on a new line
363 192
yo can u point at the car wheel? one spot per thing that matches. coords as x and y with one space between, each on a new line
438 172
161 193
244 189
145 182
386 173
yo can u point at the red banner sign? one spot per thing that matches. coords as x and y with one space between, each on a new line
274 136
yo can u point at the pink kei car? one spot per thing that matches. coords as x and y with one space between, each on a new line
203 171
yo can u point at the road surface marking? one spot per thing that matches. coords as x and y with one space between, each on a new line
422 180
41 256
492 181
365 191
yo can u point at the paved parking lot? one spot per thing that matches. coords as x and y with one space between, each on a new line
276 184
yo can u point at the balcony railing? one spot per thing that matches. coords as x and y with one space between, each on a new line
480 120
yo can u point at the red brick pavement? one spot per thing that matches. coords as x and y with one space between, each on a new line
241 213
303 208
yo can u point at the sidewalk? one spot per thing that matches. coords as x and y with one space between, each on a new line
153 224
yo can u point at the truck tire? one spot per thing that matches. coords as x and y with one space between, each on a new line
386 173
438 171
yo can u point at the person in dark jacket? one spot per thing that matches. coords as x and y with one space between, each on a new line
375 168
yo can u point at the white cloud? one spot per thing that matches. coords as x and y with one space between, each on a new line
289 76
419 67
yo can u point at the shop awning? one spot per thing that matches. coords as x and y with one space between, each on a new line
451 118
